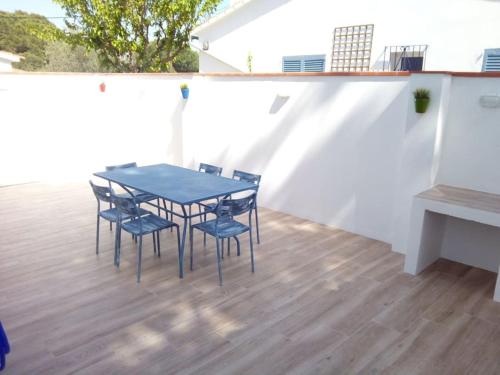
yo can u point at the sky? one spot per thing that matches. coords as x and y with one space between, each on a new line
46 8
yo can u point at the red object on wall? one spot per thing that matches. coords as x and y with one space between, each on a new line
102 87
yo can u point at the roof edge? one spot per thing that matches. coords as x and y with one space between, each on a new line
216 17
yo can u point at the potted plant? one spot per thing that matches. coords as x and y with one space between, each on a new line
185 91
422 99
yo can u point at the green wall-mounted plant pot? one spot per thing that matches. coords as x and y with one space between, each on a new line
421 105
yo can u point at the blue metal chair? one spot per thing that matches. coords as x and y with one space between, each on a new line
4 347
139 195
254 179
246 177
139 224
210 169
103 194
216 171
224 226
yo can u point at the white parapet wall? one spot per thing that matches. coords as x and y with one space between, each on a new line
61 126
346 151
327 147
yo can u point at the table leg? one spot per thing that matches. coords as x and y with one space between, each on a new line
496 297
183 243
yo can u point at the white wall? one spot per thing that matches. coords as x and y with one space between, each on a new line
62 126
343 151
5 65
328 154
210 64
420 151
471 148
471 243
457 31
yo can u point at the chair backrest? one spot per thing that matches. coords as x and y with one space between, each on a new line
210 169
102 193
121 166
228 208
247 177
126 205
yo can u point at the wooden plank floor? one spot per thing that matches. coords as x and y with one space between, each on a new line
322 301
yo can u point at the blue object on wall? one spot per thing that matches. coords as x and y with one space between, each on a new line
4 347
491 60
303 63
412 63
185 93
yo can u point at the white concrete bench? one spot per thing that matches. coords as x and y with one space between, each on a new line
427 223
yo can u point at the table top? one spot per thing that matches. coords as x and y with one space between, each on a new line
463 197
176 184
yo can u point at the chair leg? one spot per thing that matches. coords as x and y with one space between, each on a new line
204 234
171 215
251 250
178 240
158 242
139 258
97 236
110 223
191 248
165 207
158 204
229 246
237 245
222 248
199 211
154 242
257 224
219 261
118 245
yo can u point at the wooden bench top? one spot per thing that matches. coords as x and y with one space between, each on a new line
463 197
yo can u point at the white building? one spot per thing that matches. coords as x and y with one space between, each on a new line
298 35
6 60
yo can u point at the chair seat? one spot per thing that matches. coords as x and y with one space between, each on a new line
139 196
226 228
112 214
150 223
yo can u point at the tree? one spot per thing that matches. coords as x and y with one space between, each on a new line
61 57
20 34
187 61
134 35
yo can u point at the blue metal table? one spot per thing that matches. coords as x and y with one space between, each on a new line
182 186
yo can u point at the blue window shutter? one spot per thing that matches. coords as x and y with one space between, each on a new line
314 65
291 64
306 63
491 60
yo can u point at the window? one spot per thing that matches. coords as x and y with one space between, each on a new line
305 63
352 48
491 60
405 58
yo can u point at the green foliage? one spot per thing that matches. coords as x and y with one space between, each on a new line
134 35
187 61
20 33
184 86
422 94
61 57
